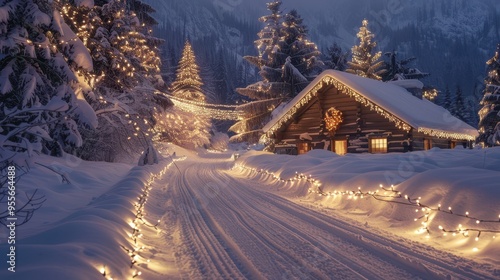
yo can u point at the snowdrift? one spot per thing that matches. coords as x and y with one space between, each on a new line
449 199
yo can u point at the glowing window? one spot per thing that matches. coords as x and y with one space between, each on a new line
303 147
340 147
378 145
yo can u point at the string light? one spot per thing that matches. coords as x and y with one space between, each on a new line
430 93
390 195
135 249
330 80
103 271
333 118
446 134
213 111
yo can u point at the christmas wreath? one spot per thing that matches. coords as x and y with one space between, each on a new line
333 118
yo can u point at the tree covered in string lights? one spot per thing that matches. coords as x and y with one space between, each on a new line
122 46
489 114
125 55
365 60
182 128
187 84
40 109
268 36
287 62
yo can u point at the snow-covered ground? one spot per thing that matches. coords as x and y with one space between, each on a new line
264 216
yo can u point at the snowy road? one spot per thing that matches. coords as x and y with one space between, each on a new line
219 224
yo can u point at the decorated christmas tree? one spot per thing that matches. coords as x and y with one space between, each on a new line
268 36
365 61
124 55
182 128
489 115
187 84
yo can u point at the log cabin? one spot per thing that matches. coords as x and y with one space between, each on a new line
346 113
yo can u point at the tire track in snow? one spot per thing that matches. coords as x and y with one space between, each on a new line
236 228
327 258
418 259
210 258
293 254
284 258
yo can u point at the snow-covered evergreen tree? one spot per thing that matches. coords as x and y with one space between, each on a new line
458 106
220 83
287 61
489 115
365 61
268 36
122 47
187 84
125 55
266 94
336 58
401 69
39 109
446 103
298 55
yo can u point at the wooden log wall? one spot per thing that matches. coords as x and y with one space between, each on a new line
358 124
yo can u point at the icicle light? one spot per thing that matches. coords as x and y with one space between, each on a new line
400 124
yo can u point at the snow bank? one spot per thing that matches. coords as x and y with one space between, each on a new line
465 180
84 226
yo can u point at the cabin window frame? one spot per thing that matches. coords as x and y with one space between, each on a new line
379 149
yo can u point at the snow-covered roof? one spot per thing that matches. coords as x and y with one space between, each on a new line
389 100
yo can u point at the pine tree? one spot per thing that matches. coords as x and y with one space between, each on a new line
447 99
124 55
268 36
365 61
39 109
298 55
220 74
458 106
124 46
287 61
400 69
489 115
336 58
266 94
79 17
188 83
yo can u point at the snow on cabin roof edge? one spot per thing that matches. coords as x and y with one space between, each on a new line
391 101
